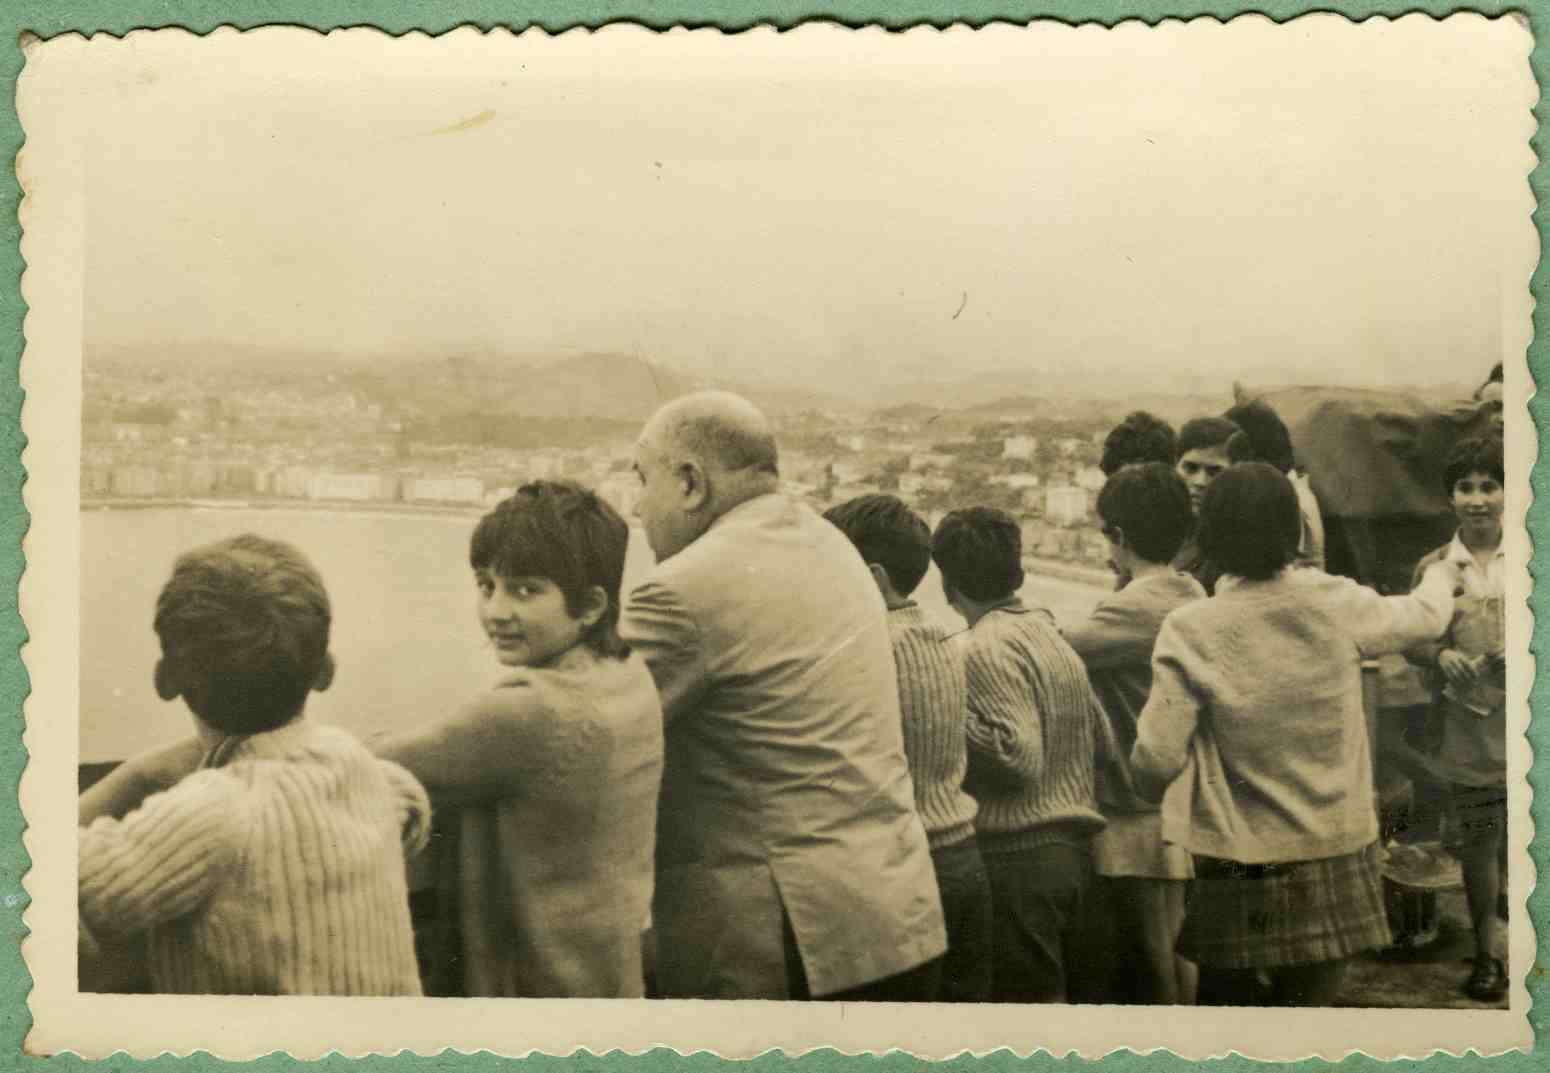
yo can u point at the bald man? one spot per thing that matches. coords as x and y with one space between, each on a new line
790 860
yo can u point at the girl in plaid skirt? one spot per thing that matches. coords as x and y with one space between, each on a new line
1255 739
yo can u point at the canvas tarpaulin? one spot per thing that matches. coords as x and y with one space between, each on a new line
1373 455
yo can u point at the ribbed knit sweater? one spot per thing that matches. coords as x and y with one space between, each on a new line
932 697
1255 726
1032 732
280 872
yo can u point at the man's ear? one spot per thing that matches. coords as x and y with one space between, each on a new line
326 671
167 687
696 487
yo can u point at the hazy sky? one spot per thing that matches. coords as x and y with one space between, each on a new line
1320 200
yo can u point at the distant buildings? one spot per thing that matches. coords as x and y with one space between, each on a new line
1021 448
1091 478
1065 505
360 487
620 491
443 490
923 460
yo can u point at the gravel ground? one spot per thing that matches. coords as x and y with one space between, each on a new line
1431 979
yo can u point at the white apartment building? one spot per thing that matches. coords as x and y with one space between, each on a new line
1065 504
1021 448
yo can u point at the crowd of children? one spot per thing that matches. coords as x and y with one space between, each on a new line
1170 801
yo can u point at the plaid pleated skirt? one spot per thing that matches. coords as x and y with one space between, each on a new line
1273 915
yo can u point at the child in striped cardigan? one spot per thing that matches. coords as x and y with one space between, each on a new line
896 545
1033 736
266 854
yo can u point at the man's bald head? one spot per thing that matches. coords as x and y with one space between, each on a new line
699 457
723 432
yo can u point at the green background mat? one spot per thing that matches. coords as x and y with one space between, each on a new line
45 19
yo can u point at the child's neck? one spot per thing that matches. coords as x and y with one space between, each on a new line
1482 543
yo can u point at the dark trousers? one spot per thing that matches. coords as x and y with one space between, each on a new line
1038 897
966 907
920 984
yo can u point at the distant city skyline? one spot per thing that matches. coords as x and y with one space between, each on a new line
1316 202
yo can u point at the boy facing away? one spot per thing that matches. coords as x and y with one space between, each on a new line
262 856
1032 735
555 771
1145 511
896 546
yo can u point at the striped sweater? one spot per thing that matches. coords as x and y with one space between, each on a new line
1032 732
279 872
932 698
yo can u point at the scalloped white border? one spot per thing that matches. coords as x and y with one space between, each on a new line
50 168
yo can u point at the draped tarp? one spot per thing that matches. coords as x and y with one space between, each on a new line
1375 454
1375 460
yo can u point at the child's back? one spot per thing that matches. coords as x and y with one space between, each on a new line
932 701
1033 728
552 874
280 871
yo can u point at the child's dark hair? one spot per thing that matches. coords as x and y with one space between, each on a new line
566 533
1482 454
980 552
1250 522
1267 433
243 625
888 533
1141 437
1150 505
1200 432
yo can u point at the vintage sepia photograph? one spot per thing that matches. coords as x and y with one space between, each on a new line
1016 521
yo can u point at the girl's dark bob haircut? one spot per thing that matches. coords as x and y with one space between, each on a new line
566 533
1250 523
1477 455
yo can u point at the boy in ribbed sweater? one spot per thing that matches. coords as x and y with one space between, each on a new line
896 545
1032 736
264 855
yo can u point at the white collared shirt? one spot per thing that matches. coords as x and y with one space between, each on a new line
1477 582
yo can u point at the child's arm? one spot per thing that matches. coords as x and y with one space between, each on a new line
164 859
414 807
1382 624
1168 721
122 790
658 626
1425 653
479 754
1113 635
1005 735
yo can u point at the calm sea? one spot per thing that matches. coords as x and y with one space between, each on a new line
405 634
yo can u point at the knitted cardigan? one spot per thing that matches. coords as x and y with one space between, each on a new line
555 775
932 698
279 873
1032 732
1256 709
